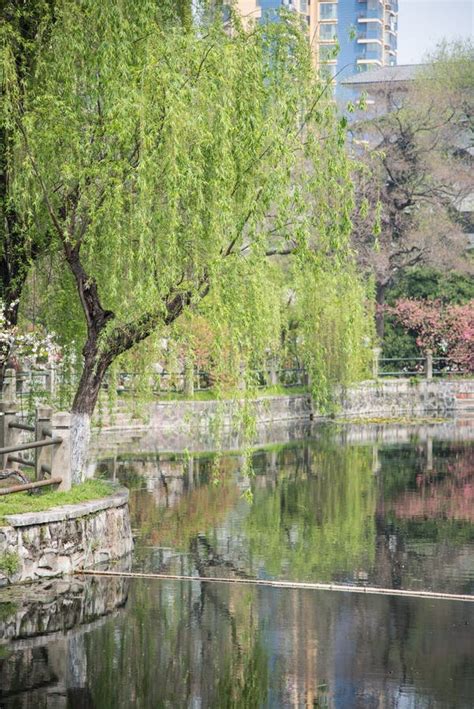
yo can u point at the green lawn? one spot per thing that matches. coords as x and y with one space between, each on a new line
18 503
212 395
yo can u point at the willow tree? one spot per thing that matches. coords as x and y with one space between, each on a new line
20 245
174 162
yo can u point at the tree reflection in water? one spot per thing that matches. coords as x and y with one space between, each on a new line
392 515
187 644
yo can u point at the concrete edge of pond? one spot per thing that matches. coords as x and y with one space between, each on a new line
55 542
64 512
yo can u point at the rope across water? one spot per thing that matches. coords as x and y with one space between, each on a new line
371 590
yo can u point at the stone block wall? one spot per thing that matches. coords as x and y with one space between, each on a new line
43 637
205 415
178 425
412 397
59 541
201 425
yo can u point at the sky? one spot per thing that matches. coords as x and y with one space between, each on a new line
423 23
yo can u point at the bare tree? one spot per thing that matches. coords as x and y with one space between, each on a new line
415 170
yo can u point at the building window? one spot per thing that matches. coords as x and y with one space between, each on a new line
328 71
328 32
372 30
373 10
328 11
327 53
371 50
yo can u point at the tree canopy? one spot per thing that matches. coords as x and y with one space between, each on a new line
174 168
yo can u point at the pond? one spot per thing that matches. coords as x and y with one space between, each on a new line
320 509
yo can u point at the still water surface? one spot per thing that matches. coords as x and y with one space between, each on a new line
398 516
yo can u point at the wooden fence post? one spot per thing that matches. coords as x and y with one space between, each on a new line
9 385
188 377
43 456
377 351
61 453
429 364
8 436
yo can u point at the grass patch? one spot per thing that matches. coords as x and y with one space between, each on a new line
6 611
22 502
404 420
9 563
211 394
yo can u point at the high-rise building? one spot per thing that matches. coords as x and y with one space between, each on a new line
347 36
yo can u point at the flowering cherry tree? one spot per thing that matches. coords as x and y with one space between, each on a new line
446 329
23 348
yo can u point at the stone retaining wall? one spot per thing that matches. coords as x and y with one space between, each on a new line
46 544
178 425
388 397
43 631
200 425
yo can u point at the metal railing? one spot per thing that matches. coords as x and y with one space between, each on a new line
427 366
194 380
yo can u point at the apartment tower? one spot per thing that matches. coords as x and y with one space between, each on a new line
347 36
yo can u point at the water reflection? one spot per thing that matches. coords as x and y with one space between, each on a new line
43 631
398 516
393 515
204 645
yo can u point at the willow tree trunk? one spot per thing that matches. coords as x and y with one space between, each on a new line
82 409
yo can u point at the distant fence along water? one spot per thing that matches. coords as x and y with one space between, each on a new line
427 366
55 385
50 383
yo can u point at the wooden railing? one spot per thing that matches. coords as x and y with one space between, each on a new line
50 444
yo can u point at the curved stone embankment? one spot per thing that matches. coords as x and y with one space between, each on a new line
33 612
43 627
38 545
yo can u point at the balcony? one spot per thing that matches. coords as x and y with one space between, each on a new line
390 41
365 64
375 13
375 54
372 32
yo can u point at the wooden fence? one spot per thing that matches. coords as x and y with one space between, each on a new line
47 458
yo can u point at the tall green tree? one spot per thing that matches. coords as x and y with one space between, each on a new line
25 26
174 163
